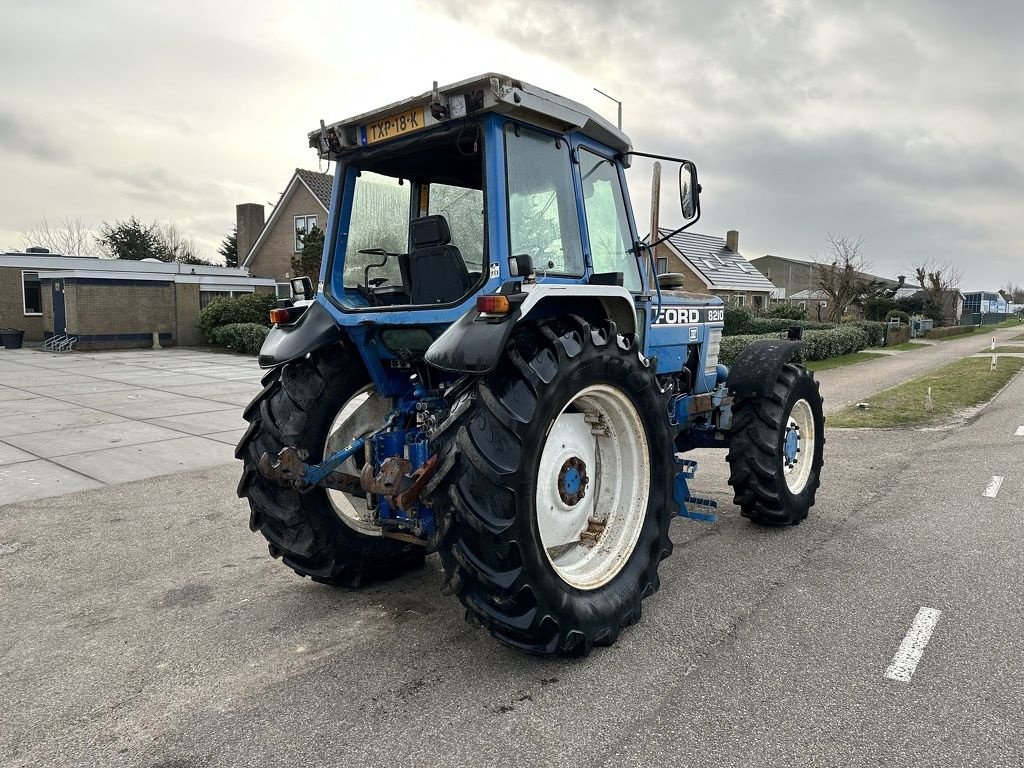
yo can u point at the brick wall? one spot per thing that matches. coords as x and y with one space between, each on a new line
12 308
273 259
111 308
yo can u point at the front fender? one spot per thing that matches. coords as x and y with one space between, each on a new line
315 329
756 368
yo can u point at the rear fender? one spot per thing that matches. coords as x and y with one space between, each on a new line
315 329
756 368
474 344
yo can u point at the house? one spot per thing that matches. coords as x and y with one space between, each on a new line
108 303
980 307
266 248
799 282
709 264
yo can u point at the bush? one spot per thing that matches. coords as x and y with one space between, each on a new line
788 311
896 334
741 322
898 314
240 337
875 331
736 321
818 344
252 308
953 330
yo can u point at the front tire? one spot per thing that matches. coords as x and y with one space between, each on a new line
559 495
311 532
776 448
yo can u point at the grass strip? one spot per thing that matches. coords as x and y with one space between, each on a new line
1019 349
839 362
956 386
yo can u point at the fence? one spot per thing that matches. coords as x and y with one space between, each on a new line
984 318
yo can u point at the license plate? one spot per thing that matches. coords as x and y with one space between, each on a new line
390 127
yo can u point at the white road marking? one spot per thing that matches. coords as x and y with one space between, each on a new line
912 648
992 489
1019 432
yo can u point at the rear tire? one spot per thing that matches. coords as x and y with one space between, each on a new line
560 599
297 407
773 487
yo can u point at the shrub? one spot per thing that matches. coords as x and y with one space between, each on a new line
953 330
875 331
240 337
818 344
896 334
736 321
898 314
250 308
788 311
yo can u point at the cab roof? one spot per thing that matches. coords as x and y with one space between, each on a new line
478 95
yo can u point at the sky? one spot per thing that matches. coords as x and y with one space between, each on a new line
901 123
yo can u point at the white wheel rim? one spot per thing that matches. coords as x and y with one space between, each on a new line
590 527
361 414
799 429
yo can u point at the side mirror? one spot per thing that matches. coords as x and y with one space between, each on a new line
689 190
302 287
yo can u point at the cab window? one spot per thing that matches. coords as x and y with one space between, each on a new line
542 219
611 244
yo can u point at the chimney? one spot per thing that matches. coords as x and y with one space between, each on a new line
249 224
732 241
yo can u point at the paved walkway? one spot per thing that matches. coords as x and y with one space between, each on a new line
855 383
86 419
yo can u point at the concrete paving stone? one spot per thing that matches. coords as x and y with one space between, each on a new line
39 479
203 423
239 398
147 403
61 420
214 390
35 404
11 393
11 455
92 438
135 462
231 436
80 387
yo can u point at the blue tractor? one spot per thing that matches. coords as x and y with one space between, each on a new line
489 369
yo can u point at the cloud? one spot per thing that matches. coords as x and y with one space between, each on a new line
22 136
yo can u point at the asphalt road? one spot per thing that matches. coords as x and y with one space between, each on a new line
143 625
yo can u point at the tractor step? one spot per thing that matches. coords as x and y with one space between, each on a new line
693 507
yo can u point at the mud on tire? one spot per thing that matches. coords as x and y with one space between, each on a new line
297 406
757 468
492 552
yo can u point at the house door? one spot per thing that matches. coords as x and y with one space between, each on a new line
59 322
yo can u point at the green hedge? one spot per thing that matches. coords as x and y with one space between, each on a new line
818 344
252 308
740 321
874 330
240 337
953 330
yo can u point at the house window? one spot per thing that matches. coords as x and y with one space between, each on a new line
739 299
302 226
31 293
662 265
284 290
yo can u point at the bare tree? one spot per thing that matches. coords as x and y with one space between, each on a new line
1013 292
841 275
940 283
69 237
175 246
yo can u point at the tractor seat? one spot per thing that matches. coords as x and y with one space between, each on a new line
437 273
